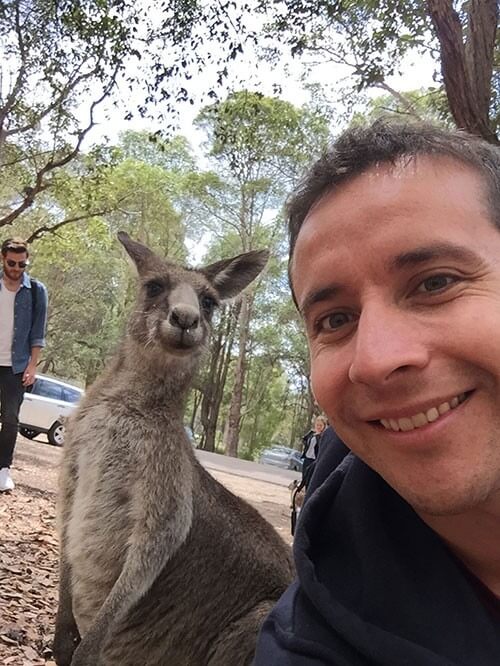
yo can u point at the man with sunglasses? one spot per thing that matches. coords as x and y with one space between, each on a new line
23 318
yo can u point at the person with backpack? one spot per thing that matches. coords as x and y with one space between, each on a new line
23 320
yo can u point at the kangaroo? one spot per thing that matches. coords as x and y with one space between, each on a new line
159 563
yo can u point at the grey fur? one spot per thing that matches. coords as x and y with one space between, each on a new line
160 564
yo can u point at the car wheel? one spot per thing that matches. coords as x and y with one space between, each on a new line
27 432
56 434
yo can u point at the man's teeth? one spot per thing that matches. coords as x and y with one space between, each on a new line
423 418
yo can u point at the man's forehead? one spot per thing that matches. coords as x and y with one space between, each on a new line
403 215
409 183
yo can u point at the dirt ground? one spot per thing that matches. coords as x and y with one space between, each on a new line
28 555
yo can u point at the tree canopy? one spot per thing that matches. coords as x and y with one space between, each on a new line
373 37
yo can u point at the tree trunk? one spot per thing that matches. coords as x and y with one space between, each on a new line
231 438
213 391
467 61
196 404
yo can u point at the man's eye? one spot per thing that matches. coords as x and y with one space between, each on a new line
435 283
154 288
335 321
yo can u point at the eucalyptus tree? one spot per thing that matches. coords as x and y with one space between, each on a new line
259 146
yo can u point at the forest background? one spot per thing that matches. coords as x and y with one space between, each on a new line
72 73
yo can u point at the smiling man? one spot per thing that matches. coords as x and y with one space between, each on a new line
395 269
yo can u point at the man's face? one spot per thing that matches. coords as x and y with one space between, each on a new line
14 272
397 276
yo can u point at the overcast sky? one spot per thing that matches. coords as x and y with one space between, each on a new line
417 72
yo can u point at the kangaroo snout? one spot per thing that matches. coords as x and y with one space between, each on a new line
184 317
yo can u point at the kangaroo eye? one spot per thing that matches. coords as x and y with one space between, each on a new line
207 303
154 288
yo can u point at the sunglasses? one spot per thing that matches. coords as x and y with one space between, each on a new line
22 264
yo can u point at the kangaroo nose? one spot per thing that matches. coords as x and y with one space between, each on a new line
184 318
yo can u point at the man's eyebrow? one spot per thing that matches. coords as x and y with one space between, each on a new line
421 255
319 295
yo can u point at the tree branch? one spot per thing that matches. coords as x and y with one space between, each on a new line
41 183
41 231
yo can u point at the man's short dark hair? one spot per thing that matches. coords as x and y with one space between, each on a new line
361 148
17 245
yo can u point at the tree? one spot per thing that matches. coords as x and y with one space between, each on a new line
259 146
83 266
86 278
214 382
423 104
372 38
61 60
145 208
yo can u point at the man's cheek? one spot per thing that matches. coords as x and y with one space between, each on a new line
321 387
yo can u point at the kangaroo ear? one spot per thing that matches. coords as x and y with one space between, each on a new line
230 276
139 253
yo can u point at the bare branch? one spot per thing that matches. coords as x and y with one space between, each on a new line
46 229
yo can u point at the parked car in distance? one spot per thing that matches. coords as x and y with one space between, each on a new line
282 456
45 406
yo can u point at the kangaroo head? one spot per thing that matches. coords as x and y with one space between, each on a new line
175 304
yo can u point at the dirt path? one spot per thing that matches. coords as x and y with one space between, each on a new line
28 553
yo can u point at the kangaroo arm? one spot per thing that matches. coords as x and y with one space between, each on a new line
66 635
155 539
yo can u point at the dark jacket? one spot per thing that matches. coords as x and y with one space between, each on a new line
30 321
375 584
306 440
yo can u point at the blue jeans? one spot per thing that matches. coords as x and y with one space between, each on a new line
11 397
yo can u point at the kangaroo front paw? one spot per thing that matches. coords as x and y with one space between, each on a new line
85 654
64 645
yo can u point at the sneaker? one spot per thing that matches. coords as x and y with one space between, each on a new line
6 482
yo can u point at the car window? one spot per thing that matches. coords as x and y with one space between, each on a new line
48 389
71 395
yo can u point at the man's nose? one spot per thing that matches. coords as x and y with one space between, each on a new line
388 342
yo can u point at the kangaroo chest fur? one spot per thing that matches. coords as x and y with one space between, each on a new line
125 475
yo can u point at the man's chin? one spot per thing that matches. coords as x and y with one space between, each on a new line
452 501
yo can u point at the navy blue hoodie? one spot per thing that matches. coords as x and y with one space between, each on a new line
375 584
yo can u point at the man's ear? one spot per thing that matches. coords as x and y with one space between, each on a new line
141 255
230 276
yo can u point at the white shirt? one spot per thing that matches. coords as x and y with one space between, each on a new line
7 299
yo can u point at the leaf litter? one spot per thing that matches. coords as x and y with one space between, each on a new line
28 577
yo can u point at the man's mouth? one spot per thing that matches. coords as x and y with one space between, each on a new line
423 418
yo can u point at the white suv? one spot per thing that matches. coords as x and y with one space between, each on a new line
45 406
